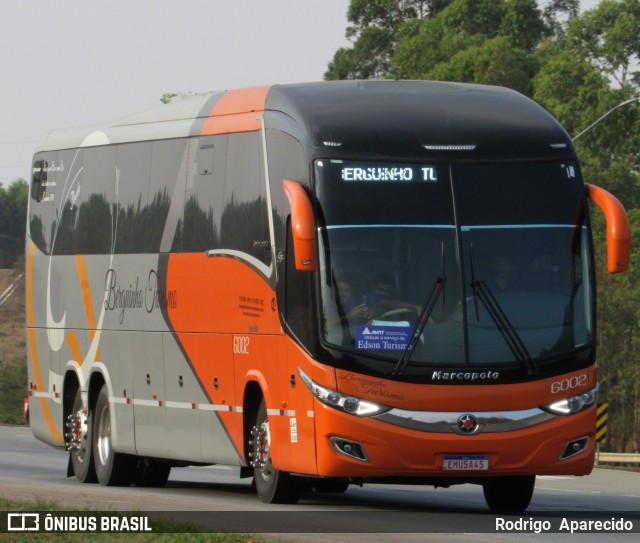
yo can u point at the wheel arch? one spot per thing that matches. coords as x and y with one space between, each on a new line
72 381
70 385
96 382
253 396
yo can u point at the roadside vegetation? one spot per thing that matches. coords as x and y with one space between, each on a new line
13 367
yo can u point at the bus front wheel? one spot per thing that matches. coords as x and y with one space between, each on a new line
272 485
509 494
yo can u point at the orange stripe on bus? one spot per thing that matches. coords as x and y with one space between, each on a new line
86 296
74 346
34 350
237 111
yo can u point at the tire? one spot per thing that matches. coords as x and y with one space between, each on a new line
509 494
79 440
152 473
112 468
272 485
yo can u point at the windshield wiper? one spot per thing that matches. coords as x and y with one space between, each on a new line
483 293
429 304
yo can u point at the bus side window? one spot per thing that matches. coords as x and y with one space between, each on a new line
42 207
298 300
38 183
168 170
200 225
244 196
95 199
134 168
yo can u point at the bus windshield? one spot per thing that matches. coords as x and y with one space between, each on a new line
453 264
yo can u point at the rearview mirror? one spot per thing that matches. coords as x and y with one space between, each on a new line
618 231
303 226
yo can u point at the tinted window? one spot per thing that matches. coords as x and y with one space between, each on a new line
200 229
298 301
244 219
168 162
525 249
43 200
286 161
70 187
384 193
96 196
132 188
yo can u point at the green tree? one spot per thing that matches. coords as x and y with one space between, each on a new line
494 62
424 44
619 341
523 24
558 13
482 41
609 36
583 78
373 28
13 216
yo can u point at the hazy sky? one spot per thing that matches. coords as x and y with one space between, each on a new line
75 62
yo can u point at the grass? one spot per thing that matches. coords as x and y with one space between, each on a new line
163 531
13 355
13 390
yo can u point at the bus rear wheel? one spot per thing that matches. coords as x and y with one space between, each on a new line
509 494
272 485
112 468
79 439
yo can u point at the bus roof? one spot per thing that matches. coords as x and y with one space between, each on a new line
388 118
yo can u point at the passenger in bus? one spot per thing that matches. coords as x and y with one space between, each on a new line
345 310
503 274
354 307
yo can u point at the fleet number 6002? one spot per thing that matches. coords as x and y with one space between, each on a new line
240 345
568 384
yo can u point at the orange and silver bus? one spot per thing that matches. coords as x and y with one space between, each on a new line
322 284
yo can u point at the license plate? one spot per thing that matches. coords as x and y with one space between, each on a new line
465 463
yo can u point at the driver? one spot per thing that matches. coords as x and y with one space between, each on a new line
380 300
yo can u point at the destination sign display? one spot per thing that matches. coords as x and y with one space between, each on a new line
390 173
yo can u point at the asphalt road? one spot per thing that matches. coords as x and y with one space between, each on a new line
215 497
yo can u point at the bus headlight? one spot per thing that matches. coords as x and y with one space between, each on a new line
342 402
574 404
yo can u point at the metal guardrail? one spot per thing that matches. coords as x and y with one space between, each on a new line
10 290
617 458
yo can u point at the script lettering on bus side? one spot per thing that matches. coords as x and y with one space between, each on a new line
135 297
370 386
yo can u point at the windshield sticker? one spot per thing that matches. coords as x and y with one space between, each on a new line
382 338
